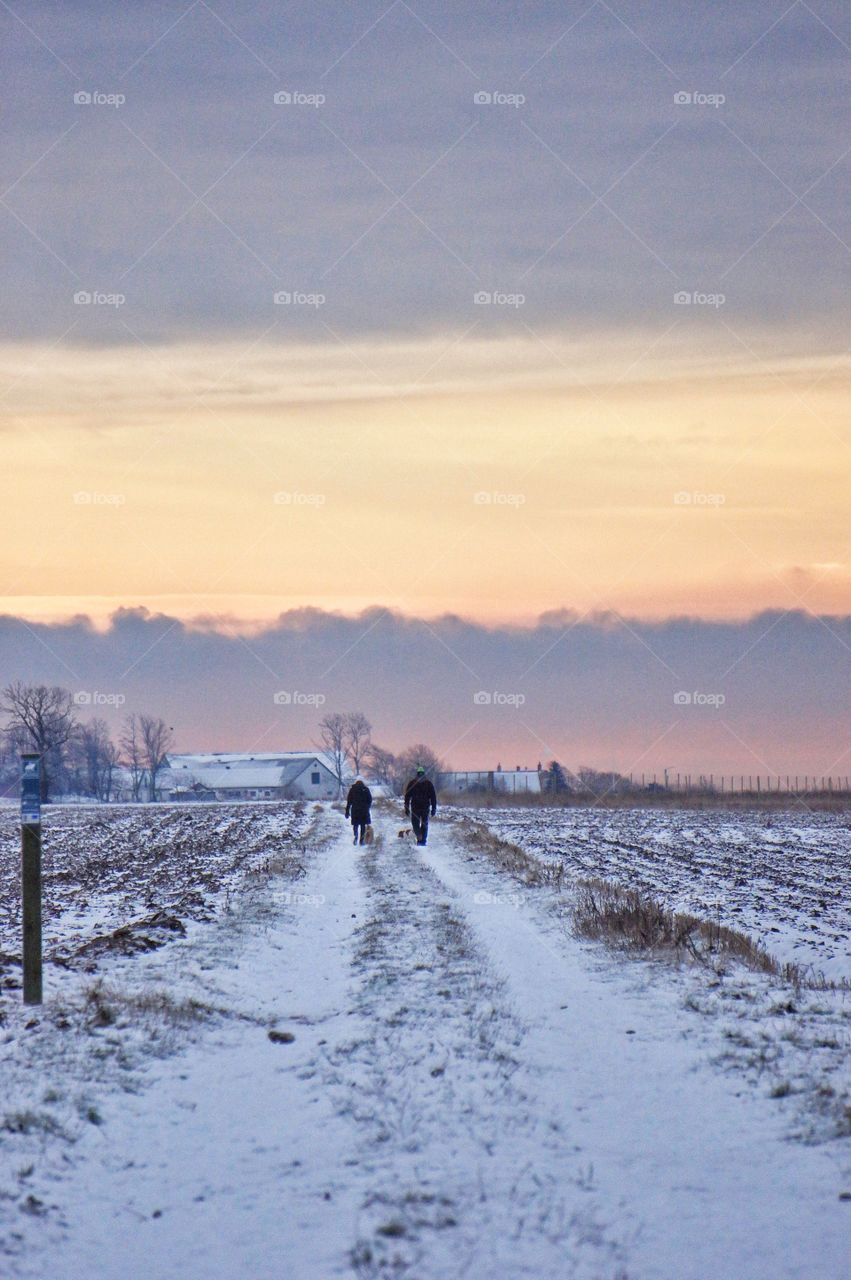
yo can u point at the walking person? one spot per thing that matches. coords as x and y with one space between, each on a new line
420 801
358 804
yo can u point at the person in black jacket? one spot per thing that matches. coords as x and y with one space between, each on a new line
420 800
358 803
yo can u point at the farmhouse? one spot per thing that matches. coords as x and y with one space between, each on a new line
281 775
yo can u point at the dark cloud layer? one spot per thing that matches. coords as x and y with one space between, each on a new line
599 691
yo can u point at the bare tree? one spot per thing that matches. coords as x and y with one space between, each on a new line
383 765
156 744
133 755
332 738
92 759
110 760
357 738
42 718
407 762
10 768
600 783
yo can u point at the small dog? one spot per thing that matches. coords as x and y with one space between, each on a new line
406 833
369 834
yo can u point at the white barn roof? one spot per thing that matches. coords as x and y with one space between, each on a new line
194 760
237 771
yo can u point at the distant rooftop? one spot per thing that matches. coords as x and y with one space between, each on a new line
262 765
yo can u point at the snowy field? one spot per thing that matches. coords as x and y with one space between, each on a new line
784 878
125 878
265 1053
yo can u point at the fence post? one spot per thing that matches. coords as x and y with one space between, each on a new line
31 876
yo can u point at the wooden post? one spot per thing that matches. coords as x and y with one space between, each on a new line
31 876
31 881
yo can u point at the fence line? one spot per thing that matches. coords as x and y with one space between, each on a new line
527 781
745 783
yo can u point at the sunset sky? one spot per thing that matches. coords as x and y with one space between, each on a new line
497 311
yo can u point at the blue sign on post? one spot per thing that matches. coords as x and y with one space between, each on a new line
30 790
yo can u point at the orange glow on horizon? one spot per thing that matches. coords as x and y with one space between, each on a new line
716 495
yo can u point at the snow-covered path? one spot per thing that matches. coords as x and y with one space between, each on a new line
470 1093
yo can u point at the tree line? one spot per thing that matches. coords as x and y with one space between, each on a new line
82 759
346 740
76 758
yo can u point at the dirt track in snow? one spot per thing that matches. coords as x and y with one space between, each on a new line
470 1093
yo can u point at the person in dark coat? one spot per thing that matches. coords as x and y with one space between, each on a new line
420 801
358 803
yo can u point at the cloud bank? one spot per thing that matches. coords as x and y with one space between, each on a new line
770 693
